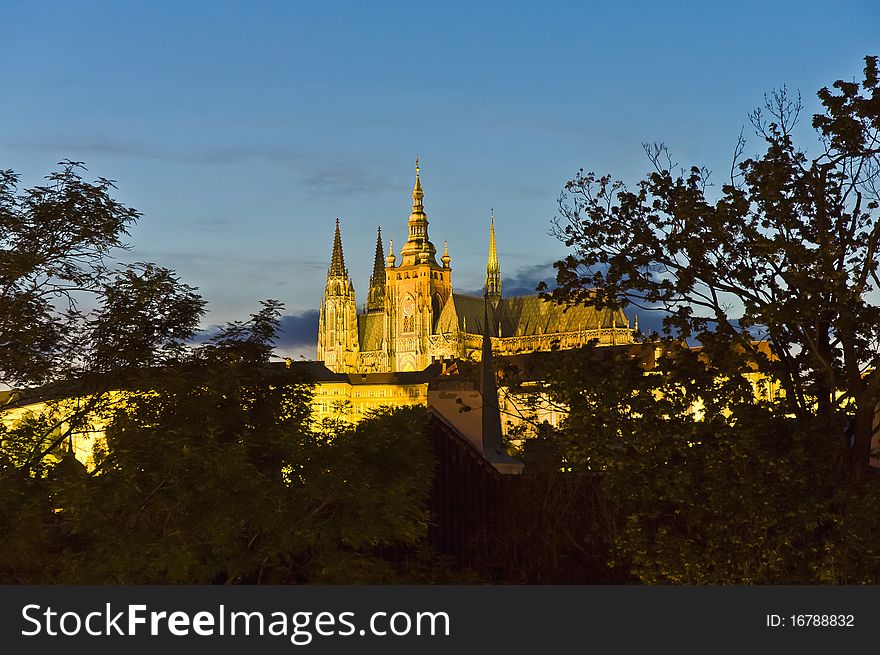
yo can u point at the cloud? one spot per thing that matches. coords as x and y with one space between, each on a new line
650 320
192 154
213 224
299 330
192 260
522 282
296 331
317 177
335 181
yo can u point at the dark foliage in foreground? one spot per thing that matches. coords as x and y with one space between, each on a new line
710 484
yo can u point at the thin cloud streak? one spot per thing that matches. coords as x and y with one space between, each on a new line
330 178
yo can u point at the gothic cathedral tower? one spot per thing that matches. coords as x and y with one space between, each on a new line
337 325
415 291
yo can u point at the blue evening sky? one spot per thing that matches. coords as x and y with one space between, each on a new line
241 130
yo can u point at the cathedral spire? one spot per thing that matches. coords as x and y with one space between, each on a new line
376 294
379 261
337 261
418 249
493 269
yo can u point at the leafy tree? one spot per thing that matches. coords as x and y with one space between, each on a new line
212 473
218 477
63 294
211 470
703 485
71 314
709 484
786 251
77 321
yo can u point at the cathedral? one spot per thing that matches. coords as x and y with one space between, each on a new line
412 316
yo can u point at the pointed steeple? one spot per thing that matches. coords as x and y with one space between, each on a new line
379 261
337 261
418 248
376 294
417 194
493 269
445 258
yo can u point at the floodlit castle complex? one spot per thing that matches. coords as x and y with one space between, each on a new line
413 318
397 351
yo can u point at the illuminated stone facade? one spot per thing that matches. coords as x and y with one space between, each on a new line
412 317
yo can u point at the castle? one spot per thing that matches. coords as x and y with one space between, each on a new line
413 317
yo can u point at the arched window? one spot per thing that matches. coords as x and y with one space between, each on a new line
408 310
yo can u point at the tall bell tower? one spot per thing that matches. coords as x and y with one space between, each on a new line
337 324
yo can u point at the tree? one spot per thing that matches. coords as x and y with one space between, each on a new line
702 484
212 473
71 314
787 251
211 469
61 288
75 323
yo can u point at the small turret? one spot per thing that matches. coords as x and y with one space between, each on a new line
445 258
391 258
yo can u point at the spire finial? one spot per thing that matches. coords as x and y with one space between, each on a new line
417 193
445 258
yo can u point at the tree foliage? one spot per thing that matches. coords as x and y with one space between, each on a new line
787 251
212 473
703 485
210 470
66 302
711 481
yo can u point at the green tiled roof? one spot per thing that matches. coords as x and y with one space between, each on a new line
522 316
370 327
